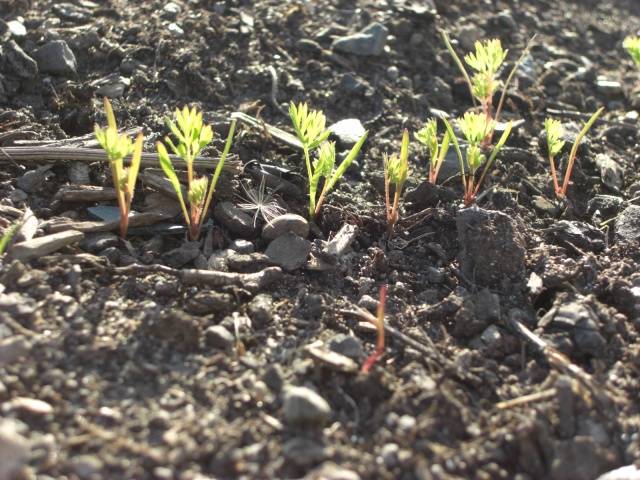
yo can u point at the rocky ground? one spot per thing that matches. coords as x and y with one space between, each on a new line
512 341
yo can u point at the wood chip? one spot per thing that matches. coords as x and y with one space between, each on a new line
135 220
41 246
85 193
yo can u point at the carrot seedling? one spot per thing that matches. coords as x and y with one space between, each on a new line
474 127
396 171
632 46
192 135
118 147
554 131
310 130
428 136
378 321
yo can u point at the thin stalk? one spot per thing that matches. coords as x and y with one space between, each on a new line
318 206
554 175
456 58
492 157
456 145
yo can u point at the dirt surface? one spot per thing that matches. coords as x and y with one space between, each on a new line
116 364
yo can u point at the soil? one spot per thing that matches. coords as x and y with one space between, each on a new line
114 366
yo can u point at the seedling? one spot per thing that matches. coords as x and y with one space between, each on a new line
396 171
192 135
8 235
118 147
486 62
555 131
378 321
310 129
474 127
428 136
632 45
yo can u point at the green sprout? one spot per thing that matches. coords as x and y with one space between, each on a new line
118 147
428 136
191 137
486 62
310 129
474 128
555 131
632 45
8 235
396 171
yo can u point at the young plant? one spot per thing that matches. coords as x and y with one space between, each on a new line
474 127
396 171
428 136
118 147
632 45
192 135
554 131
378 321
310 130
7 236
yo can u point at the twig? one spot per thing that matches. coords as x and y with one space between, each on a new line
523 400
274 90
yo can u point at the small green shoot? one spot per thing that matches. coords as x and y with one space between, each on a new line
378 321
192 135
428 136
117 147
396 171
474 127
554 131
632 45
309 126
8 235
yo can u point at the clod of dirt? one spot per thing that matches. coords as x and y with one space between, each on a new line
289 251
260 310
182 255
492 246
56 57
203 303
18 62
218 337
628 224
579 234
611 173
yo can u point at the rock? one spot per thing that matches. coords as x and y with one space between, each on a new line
543 205
347 345
304 408
33 180
248 263
28 405
17 304
171 10
491 339
14 449
182 255
218 260
73 13
234 219
260 310
331 471
289 251
175 29
368 303
113 87
429 195
38 247
393 73
86 466
604 206
348 132
609 88
611 173
629 472
220 338
304 452
17 29
579 459
351 84
12 349
580 234
628 224
96 242
206 302
368 42
56 57
492 246
389 454
503 20
242 246
468 35
289 222
18 61
78 173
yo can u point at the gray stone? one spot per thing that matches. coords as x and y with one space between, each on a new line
234 219
171 10
492 247
18 61
303 408
468 35
114 87
304 452
33 180
389 454
628 224
175 29
348 132
248 263
219 337
182 255
606 206
206 302
79 173
14 449
260 310
611 173
581 234
86 466
491 338
393 73
242 246
17 29
289 251
331 471
38 247
56 57
368 42
578 459
289 222
12 349
610 88
219 260
347 345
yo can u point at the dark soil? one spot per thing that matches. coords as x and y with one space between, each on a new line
139 374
